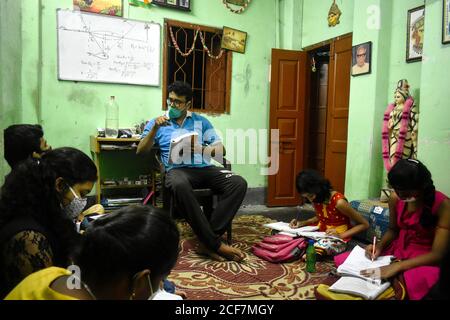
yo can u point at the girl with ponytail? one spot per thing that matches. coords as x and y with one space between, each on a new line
419 226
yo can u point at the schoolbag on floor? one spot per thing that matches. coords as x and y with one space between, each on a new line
280 248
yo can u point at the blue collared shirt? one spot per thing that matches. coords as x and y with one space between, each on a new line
193 122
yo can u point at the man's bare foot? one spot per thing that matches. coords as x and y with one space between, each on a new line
182 294
230 253
205 251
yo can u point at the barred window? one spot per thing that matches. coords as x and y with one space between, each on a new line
192 53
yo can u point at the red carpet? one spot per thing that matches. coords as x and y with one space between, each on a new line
204 279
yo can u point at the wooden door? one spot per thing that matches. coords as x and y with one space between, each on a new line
317 118
287 113
337 114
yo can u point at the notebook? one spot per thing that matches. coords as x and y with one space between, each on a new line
182 143
352 282
359 287
357 261
307 231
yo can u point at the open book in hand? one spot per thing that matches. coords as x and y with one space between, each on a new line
307 231
180 147
353 282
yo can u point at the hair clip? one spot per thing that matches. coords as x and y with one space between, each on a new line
413 160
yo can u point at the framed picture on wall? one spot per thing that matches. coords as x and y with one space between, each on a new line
108 7
174 4
415 34
234 40
362 59
446 22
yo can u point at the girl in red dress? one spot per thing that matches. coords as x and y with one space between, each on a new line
333 212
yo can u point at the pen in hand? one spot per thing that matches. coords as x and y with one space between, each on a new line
373 247
294 223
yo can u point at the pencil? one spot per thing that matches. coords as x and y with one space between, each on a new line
373 246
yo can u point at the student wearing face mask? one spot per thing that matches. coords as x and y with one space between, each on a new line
418 233
196 170
122 256
38 203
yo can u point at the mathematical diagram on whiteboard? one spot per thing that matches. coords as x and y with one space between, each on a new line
99 48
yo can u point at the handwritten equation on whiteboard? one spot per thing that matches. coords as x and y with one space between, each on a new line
100 48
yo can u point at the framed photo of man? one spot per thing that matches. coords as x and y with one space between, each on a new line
446 22
416 31
362 59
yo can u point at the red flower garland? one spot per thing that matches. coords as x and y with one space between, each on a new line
239 10
174 41
409 103
207 50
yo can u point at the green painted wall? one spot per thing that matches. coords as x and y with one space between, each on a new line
290 24
434 127
370 94
398 68
70 111
10 77
315 24
367 102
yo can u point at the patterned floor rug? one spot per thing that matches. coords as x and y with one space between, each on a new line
204 279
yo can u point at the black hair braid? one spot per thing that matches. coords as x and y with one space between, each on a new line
427 219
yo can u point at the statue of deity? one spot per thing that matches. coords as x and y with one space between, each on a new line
400 125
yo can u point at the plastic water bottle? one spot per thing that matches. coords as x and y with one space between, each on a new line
311 257
112 118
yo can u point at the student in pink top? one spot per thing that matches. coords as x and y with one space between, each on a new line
418 234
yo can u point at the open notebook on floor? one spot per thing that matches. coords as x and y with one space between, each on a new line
307 231
353 282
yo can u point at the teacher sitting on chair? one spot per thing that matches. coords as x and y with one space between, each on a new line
193 170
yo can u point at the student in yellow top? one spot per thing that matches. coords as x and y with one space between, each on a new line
123 256
333 212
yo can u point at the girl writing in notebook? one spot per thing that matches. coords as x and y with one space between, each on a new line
418 231
333 213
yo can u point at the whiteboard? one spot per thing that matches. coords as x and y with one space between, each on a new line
99 48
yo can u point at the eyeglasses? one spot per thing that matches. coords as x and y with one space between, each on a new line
175 102
361 55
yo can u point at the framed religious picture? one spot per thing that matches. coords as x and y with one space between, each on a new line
362 59
174 4
234 40
108 7
415 34
446 22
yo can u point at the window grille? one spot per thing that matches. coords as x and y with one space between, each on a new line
192 53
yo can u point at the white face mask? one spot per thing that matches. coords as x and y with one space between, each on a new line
76 206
